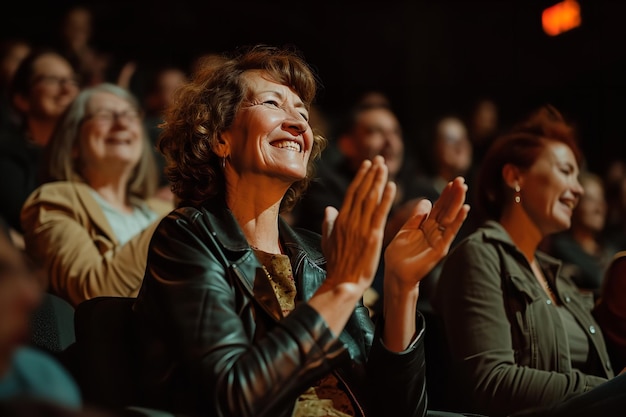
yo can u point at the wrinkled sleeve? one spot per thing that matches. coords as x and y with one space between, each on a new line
470 300
192 302
80 265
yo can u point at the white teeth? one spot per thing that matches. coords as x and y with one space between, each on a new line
288 144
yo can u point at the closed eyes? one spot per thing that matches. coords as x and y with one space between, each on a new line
275 104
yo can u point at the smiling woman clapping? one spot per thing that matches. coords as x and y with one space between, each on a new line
240 314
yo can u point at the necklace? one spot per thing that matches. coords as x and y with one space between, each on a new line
543 281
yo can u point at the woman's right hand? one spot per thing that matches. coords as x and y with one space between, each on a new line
352 242
352 238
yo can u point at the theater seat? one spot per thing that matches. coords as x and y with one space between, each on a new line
104 352
105 357
52 324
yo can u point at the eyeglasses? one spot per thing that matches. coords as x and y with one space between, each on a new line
53 80
107 116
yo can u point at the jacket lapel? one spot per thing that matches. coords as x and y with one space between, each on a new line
240 259
93 210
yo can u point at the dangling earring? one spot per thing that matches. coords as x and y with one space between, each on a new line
517 196
223 162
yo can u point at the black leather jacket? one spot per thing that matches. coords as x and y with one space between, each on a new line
215 343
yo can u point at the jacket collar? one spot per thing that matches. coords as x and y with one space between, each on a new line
223 223
493 230
302 247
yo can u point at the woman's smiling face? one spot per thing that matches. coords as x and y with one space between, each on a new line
550 188
111 135
270 135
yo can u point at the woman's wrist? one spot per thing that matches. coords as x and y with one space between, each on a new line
398 288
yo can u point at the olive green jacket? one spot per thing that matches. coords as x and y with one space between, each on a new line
509 350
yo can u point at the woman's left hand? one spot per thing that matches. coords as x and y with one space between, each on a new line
426 237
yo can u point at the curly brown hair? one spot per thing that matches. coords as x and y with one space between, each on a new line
206 106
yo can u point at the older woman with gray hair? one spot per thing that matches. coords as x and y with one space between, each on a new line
90 224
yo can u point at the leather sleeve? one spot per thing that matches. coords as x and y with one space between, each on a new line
197 306
397 380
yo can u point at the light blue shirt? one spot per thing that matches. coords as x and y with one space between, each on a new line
35 374
125 226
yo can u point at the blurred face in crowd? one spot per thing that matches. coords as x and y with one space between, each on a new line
166 84
20 294
111 136
270 135
453 148
550 189
12 59
484 120
591 211
54 87
377 132
76 29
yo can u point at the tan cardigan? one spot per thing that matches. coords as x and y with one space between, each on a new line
67 233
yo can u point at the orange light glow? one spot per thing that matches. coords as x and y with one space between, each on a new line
561 17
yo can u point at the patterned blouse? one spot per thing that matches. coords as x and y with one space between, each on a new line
326 398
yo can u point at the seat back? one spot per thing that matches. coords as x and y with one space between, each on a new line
440 381
52 324
105 357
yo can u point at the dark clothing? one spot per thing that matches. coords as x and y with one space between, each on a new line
508 345
20 165
329 189
606 400
586 270
610 310
215 342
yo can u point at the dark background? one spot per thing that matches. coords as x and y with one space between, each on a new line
430 57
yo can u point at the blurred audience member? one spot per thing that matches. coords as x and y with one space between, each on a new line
451 157
90 227
519 333
12 53
452 152
76 31
610 310
75 35
370 130
159 95
615 184
584 254
483 126
373 98
43 86
26 373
